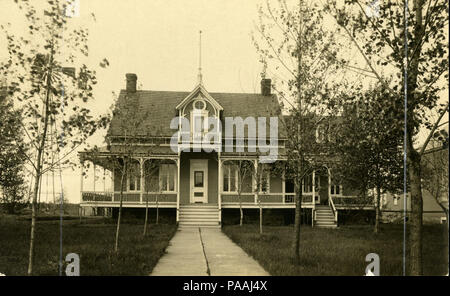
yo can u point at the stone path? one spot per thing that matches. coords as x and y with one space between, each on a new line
205 251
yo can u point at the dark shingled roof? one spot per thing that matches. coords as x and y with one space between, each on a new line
160 107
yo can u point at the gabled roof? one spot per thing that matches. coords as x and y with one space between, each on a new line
161 108
199 89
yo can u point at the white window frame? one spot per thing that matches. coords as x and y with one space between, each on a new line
334 186
268 182
167 176
317 179
136 181
203 113
321 134
229 167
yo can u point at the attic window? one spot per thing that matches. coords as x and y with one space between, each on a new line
199 105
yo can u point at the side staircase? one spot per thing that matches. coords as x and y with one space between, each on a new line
324 217
199 215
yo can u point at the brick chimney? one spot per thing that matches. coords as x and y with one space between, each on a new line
131 82
266 87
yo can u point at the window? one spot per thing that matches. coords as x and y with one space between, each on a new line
199 120
198 179
307 184
134 178
336 189
264 182
167 173
396 198
230 178
321 133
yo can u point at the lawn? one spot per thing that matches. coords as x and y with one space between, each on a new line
338 251
92 240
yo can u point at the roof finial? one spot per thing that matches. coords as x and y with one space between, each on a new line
200 77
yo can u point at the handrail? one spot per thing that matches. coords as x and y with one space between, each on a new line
333 208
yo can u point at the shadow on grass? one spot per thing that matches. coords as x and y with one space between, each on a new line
338 251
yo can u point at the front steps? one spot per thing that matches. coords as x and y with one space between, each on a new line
199 215
324 217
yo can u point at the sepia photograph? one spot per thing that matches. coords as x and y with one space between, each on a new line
249 142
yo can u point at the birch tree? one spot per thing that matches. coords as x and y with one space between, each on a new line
405 48
298 50
44 85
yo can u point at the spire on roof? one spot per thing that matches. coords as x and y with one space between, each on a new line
199 76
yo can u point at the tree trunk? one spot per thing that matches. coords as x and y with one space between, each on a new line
146 215
298 205
157 210
416 219
33 222
240 210
38 169
116 245
260 220
377 210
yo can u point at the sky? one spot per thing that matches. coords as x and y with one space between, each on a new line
159 41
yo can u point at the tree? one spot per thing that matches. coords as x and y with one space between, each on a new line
12 161
410 44
127 121
151 167
243 170
369 148
296 46
47 92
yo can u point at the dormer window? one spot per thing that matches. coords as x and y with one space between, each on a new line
199 120
321 134
199 105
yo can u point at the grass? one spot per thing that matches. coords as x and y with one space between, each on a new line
92 240
338 251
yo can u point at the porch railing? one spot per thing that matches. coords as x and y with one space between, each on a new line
96 196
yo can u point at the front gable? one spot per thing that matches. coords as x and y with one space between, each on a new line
199 98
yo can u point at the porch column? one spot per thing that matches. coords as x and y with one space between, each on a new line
113 184
329 185
178 188
141 167
313 196
314 188
255 182
95 176
283 184
81 180
219 193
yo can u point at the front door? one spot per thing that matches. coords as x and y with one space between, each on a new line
199 181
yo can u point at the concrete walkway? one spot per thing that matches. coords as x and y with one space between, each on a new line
205 251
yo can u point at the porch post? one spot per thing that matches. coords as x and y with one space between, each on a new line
329 185
178 188
141 167
95 168
219 195
81 181
113 184
314 188
313 197
255 182
283 185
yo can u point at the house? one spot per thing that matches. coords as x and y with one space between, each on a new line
434 188
196 138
